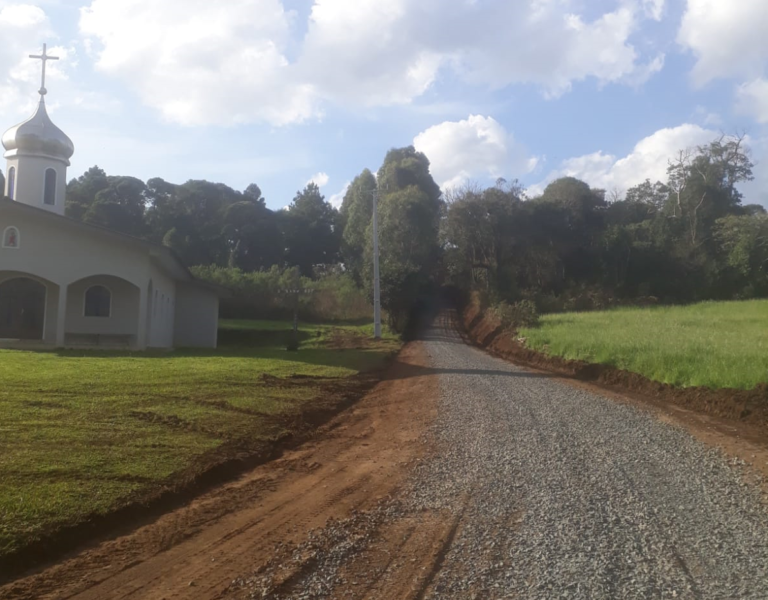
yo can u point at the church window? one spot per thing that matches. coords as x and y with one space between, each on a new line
12 183
49 195
98 302
11 238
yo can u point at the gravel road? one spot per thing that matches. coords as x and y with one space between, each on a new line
458 476
544 491
565 494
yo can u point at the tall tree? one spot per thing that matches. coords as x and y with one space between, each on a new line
81 192
410 209
312 231
357 211
253 235
120 206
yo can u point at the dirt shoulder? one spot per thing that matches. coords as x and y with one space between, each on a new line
353 462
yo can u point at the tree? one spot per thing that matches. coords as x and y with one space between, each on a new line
357 212
81 192
312 231
253 235
192 215
405 167
652 196
744 240
120 206
410 209
703 184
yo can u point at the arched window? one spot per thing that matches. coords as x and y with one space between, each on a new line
49 195
11 238
98 302
12 183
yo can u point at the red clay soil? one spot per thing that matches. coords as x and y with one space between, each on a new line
748 407
357 460
205 473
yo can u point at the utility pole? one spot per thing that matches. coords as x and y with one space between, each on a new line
376 272
295 294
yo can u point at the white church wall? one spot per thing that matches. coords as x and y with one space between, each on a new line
51 313
63 254
161 312
124 314
30 182
66 254
197 317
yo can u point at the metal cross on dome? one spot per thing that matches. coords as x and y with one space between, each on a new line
45 58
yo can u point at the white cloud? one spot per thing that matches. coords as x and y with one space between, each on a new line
536 42
20 75
654 9
338 199
704 115
478 147
727 37
319 179
202 63
752 100
648 160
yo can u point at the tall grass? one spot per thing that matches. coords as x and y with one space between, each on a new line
714 344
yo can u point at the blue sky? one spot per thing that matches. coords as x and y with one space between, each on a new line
277 92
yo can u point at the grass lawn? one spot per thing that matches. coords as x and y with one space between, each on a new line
84 433
714 344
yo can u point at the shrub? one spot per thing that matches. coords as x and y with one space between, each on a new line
516 316
256 295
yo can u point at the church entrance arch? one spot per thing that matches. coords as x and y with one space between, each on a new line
22 309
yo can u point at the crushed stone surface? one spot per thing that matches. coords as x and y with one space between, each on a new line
553 492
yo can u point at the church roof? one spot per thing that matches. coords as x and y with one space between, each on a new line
38 136
165 256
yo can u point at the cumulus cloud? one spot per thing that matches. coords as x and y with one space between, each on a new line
476 148
319 179
202 62
752 100
338 199
648 160
727 38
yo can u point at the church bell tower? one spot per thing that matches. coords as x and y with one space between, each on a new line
37 154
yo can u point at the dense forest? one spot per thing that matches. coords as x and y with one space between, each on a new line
691 237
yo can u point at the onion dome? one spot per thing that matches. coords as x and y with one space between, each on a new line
38 137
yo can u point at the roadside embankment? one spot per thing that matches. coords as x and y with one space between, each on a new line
746 406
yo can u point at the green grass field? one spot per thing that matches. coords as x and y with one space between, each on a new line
84 433
714 344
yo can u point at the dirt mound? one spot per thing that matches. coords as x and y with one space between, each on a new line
747 406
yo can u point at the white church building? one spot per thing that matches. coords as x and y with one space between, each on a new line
67 284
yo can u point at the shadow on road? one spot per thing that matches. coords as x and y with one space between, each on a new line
404 371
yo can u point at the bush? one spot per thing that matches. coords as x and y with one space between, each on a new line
515 316
257 295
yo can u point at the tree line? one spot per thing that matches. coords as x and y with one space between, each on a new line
686 239
691 237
